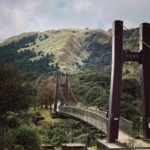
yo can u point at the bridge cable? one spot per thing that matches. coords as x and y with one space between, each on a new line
146 44
135 40
73 95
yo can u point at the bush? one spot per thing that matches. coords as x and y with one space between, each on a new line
27 137
6 139
94 93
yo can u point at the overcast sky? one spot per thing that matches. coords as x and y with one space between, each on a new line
17 16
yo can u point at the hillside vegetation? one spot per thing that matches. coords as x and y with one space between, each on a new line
71 50
30 60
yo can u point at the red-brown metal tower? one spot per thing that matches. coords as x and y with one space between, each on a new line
118 57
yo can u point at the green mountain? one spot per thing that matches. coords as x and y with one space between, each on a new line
86 52
70 50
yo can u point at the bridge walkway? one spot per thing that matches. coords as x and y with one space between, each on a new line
98 119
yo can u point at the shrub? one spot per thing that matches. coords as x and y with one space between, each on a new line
27 137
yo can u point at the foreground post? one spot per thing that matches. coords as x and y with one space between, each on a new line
145 76
116 75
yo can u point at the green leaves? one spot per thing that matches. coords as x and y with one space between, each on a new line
27 137
14 94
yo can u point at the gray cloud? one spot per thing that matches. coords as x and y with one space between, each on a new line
18 16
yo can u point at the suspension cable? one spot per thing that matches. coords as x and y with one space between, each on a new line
138 38
135 40
73 95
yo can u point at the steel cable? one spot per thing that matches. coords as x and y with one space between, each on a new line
73 95
138 38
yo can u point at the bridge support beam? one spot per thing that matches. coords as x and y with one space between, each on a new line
145 76
116 76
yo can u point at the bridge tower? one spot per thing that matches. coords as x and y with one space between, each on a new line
56 93
118 57
58 89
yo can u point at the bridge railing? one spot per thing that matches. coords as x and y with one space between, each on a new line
88 116
95 118
124 124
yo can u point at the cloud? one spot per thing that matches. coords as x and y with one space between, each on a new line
37 15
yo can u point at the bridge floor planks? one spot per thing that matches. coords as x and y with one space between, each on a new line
103 145
125 142
125 139
120 145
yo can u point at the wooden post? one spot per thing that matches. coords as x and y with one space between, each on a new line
145 77
56 94
116 76
66 90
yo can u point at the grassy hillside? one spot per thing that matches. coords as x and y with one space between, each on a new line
72 48
84 53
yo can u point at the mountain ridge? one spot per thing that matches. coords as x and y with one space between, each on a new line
73 49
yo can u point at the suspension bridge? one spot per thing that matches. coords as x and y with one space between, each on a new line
118 130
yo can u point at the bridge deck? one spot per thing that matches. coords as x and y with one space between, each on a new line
98 119
95 118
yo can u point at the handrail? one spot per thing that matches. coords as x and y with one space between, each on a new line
97 119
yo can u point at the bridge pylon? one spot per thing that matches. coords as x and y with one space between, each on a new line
59 90
118 57
56 93
116 76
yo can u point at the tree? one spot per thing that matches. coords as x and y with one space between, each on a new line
14 93
15 96
27 137
46 91
46 88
